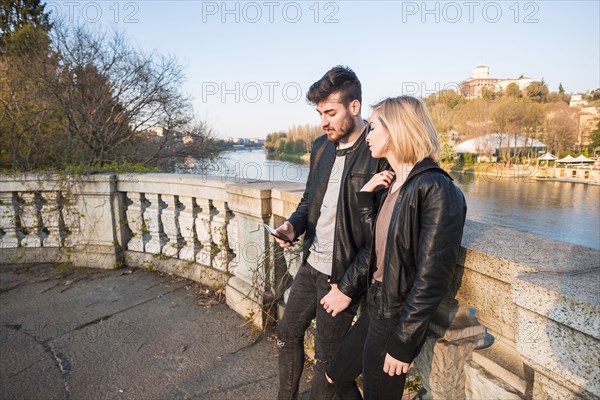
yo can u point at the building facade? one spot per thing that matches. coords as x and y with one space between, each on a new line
480 81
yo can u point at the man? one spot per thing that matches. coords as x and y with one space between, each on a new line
334 245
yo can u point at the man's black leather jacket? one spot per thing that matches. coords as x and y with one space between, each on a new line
351 245
421 252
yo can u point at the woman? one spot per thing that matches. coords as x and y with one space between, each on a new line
416 236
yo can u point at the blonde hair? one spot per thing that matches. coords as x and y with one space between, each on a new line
411 130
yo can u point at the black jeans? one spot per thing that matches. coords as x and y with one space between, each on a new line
363 350
308 288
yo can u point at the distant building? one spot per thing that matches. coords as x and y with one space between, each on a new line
473 87
487 147
153 131
588 122
577 100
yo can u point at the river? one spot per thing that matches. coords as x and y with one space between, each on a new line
567 212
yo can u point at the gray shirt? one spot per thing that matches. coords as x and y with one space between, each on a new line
320 255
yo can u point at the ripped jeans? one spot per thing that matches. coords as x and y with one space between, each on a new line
308 288
363 351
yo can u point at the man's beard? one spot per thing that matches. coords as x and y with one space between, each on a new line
346 129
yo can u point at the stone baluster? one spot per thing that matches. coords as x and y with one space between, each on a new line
30 220
187 219
203 231
153 223
223 254
8 226
50 219
234 241
71 220
135 221
169 217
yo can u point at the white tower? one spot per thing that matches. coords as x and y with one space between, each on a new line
481 72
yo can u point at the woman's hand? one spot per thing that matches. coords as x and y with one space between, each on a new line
379 181
392 367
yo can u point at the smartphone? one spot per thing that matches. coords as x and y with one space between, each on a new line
278 235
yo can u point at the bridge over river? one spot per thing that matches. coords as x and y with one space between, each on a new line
536 296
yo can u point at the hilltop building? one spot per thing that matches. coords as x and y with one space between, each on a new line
480 79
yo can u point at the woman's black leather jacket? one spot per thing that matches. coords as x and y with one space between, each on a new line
421 252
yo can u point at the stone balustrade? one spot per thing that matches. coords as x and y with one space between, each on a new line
538 297
585 174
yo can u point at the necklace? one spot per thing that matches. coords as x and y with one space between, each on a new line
399 180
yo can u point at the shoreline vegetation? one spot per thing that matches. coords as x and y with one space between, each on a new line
294 157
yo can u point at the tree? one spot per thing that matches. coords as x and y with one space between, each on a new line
290 146
115 96
560 132
282 146
28 116
469 160
473 118
440 114
518 119
449 97
537 91
20 22
512 90
300 146
561 89
506 117
530 119
594 137
76 97
490 94
448 153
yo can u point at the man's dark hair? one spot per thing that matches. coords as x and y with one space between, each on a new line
338 79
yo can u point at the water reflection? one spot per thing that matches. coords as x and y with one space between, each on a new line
252 166
567 212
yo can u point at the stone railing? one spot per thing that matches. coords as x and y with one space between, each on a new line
538 297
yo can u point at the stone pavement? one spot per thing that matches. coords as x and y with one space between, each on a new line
126 334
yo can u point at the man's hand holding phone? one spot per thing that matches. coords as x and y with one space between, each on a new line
287 231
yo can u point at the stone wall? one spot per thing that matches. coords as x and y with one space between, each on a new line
537 297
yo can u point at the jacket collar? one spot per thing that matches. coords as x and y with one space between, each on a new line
424 165
361 138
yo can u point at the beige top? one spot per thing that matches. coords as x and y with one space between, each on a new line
382 227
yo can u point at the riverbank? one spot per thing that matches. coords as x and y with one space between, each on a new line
293 157
524 172
494 171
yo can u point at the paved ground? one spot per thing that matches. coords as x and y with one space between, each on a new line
125 334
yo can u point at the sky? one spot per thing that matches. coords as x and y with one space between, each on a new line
249 64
